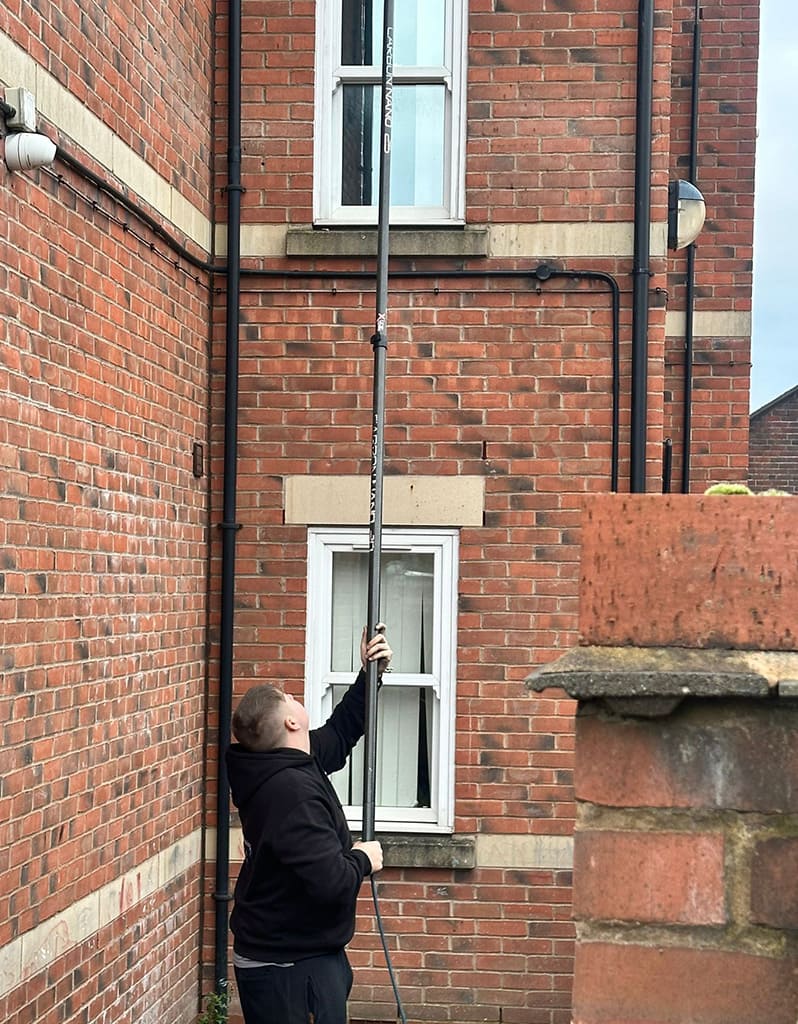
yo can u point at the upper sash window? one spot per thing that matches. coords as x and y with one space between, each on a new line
428 125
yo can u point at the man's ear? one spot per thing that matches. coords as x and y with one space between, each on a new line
291 724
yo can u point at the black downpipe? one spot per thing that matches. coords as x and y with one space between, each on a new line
667 465
689 297
229 526
642 244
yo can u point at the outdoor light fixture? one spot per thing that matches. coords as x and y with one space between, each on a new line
26 150
686 213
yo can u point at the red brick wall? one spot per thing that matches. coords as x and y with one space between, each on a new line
103 532
719 436
277 133
105 380
143 71
488 945
680 871
550 94
773 450
143 967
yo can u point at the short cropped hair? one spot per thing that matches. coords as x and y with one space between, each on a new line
258 719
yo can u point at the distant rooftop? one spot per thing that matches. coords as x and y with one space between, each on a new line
775 401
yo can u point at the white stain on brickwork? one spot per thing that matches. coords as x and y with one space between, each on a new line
41 946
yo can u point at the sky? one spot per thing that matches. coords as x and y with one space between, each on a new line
775 320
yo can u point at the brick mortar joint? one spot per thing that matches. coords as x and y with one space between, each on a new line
731 938
741 835
598 817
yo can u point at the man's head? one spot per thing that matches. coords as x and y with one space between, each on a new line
267 718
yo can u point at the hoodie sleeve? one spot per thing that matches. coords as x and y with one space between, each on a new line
333 742
308 844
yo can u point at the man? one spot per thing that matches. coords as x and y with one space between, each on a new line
296 893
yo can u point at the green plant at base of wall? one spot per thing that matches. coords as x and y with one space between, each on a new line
216 1009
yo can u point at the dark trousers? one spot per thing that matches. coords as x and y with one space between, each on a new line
313 991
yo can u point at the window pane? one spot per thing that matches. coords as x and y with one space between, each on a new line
360 174
418 40
406 590
360 46
417 151
417 155
404 738
415 706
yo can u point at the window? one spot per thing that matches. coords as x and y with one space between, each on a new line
415 740
428 134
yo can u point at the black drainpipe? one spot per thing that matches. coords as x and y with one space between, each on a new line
667 465
228 525
642 244
689 297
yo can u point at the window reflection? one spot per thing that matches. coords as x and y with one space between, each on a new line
417 154
418 33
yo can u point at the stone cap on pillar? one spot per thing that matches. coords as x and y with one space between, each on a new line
652 681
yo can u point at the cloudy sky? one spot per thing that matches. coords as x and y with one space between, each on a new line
775 340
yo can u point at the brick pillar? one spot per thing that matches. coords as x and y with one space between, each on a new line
686 848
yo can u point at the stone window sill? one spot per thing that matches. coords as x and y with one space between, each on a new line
353 242
427 851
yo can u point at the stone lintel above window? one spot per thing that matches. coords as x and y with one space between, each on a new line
415 501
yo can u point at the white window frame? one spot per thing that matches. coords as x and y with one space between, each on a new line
443 544
328 119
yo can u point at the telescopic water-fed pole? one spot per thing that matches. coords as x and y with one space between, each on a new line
379 343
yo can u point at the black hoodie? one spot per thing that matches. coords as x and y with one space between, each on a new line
297 889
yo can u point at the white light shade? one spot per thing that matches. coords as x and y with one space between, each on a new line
26 150
686 214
